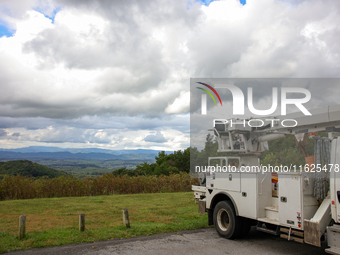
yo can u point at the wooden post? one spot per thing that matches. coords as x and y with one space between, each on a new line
81 222
22 226
126 220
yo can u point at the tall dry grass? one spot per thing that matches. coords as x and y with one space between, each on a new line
18 187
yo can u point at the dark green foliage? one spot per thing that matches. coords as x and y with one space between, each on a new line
29 169
130 172
146 168
176 162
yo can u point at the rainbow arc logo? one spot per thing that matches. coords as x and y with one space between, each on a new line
209 93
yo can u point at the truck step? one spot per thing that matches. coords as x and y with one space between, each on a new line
292 238
274 231
333 250
293 232
272 212
268 231
295 235
272 208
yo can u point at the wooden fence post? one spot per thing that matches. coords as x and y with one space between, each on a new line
126 220
22 226
81 222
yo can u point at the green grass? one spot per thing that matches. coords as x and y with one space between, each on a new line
54 221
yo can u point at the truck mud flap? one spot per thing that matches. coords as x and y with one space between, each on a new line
201 207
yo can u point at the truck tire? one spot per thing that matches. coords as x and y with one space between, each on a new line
227 224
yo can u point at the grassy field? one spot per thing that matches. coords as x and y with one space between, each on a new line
54 221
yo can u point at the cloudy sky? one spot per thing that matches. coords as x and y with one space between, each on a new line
116 74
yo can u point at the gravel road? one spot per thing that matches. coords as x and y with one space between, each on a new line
202 241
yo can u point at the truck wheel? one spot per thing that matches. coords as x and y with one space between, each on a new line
227 224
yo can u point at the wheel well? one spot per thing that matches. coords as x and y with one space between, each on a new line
222 197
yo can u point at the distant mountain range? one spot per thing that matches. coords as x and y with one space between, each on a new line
43 152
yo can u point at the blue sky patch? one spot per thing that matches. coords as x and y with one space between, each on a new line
55 11
5 31
207 2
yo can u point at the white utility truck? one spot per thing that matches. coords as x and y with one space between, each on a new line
237 191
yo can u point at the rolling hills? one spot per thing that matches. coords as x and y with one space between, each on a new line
29 169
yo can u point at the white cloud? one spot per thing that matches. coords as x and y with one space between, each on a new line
155 138
181 103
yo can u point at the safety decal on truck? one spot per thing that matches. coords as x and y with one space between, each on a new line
299 219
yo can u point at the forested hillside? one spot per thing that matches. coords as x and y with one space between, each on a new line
28 169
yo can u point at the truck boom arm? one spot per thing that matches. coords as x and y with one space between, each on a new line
250 136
